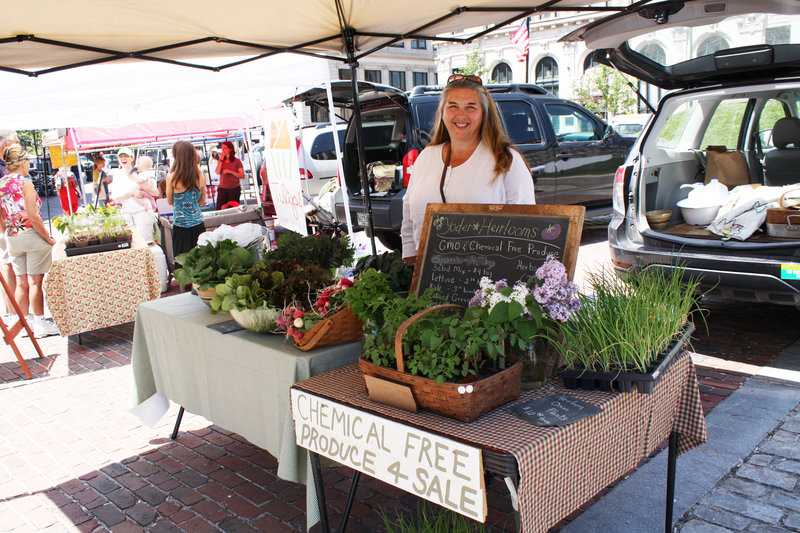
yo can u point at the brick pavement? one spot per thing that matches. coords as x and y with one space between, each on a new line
73 459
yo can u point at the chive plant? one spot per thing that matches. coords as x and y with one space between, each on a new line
627 323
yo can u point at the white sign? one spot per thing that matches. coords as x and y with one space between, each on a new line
441 470
283 169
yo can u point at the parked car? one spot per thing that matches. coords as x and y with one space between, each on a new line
318 157
571 152
630 125
734 95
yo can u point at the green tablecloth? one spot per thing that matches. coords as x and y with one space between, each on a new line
239 380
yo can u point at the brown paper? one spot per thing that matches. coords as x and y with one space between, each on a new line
729 167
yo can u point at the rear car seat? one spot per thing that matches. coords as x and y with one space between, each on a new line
782 165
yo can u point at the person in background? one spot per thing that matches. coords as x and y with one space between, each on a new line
230 170
7 138
29 243
186 192
101 179
469 160
145 178
125 192
67 187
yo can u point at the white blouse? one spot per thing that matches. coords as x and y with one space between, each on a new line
468 183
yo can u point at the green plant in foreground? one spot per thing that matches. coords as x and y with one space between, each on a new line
329 253
429 519
627 323
398 272
210 264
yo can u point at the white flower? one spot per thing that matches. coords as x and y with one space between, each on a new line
486 283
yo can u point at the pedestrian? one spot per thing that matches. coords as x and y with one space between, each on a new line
68 193
186 192
125 191
7 138
469 160
100 179
29 243
230 171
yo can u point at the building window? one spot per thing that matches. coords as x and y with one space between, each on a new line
712 44
372 75
778 35
398 44
655 52
501 73
436 78
344 73
420 78
589 62
547 75
397 78
419 44
319 114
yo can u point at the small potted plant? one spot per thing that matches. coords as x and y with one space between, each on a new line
207 265
628 331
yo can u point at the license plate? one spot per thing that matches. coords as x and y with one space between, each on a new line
362 218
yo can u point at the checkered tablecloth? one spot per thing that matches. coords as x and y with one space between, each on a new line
92 291
560 468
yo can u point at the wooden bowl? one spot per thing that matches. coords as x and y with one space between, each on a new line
659 218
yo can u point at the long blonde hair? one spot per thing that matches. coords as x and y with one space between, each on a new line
492 133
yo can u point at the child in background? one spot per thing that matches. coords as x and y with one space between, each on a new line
145 178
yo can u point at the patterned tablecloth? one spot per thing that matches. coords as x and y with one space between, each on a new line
560 468
92 291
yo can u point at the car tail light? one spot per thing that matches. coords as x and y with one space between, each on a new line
303 173
408 165
618 195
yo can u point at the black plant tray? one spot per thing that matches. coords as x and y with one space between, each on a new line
95 248
627 381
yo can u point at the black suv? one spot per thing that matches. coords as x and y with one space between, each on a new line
572 153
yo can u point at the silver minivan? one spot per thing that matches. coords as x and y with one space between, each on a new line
732 69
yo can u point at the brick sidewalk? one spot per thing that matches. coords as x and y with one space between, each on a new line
73 459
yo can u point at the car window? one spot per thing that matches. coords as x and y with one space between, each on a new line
323 149
425 111
572 124
520 120
770 113
675 126
725 124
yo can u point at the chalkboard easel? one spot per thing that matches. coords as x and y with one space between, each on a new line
461 243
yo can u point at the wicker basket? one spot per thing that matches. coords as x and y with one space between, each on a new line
445 399
340 328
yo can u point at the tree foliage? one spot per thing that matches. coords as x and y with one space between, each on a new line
474 65
605 91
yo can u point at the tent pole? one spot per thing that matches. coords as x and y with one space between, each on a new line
80 168
348 35
43 172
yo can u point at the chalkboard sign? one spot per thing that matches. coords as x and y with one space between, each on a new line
555 410
461 243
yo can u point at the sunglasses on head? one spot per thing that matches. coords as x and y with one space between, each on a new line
468 77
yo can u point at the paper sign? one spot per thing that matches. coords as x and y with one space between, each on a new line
283 169
555 410
56 158
440 470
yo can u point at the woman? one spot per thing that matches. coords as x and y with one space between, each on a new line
186 192
100 180
230 171
469 160
29 243
67 187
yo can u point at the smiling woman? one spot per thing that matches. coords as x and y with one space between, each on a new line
469 160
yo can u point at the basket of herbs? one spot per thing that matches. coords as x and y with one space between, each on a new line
628 331
458 362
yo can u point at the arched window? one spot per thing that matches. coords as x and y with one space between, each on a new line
547 74
711 44
501 73
589 62
655 52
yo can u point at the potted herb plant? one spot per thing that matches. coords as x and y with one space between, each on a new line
207 265
628 331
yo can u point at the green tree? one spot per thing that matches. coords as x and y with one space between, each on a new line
26 139
605 91
474 65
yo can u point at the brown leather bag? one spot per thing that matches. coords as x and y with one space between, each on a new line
729 167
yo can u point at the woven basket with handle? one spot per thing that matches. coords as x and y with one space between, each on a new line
340 328
445 399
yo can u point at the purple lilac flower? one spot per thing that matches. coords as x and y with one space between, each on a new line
558 311
477 300
501 284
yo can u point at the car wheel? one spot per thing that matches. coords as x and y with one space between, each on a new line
389 240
